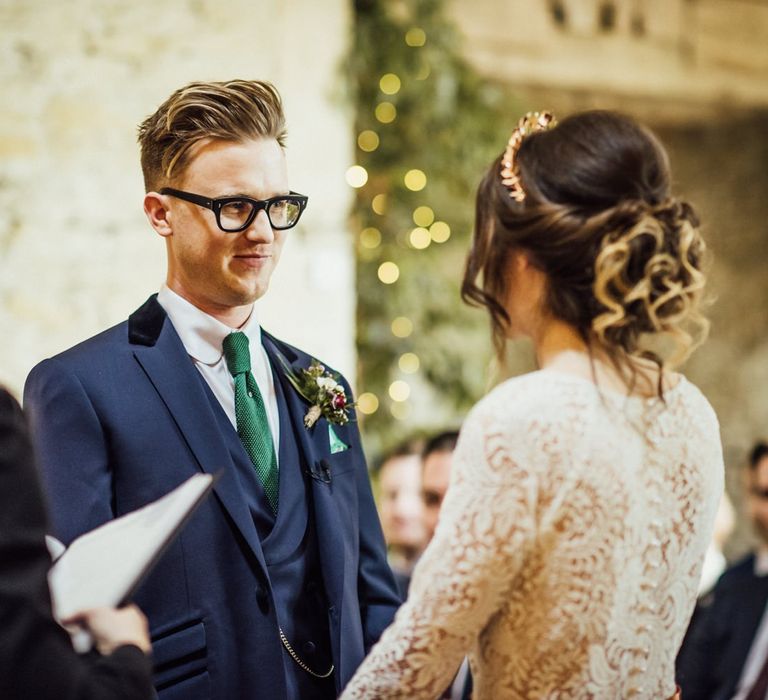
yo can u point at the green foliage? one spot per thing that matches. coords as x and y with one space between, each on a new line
450 124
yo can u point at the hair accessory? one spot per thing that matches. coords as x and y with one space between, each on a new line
528 124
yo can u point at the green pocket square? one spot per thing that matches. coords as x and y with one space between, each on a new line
336 444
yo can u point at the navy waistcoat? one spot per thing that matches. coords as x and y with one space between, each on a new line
289 543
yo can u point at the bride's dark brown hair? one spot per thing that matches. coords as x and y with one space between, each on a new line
622 257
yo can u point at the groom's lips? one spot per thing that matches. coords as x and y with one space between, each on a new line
252 259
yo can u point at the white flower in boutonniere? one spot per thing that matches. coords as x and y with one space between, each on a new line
321 389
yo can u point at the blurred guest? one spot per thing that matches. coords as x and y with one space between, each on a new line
435 476
36 657
584 494
401 510
714 560
437 458
725 654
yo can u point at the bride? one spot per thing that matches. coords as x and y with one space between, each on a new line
568 553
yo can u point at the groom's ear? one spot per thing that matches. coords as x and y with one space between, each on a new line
156 208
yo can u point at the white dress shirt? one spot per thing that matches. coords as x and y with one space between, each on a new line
759 649
203 337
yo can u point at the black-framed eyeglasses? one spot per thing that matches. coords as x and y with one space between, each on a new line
234 214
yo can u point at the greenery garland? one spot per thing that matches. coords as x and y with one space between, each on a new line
427 126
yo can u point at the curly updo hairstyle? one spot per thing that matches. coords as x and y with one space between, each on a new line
623 258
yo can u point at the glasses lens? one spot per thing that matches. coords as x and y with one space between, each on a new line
284 212
234 214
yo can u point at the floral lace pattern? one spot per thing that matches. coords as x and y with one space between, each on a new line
568 552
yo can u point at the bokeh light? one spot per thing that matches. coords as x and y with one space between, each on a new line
409 363
415 36
420 238
423 216
415 180
370 238
440 232
402 327
399 390
389 272
389 84
379 204
357 176
386 112
368 140
368 403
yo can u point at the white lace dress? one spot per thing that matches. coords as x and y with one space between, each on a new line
569 548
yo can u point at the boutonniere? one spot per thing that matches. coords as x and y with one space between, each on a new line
322 390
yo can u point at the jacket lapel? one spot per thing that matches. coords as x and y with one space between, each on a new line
161 354
313 444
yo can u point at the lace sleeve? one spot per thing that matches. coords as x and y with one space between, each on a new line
464 576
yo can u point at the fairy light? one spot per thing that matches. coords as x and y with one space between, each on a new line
440 232
386 112
389 84
402 327
368 403
370 238
357 176
409 363
379 204
423 216
389 272
416 37
420 238
415 180
399 390
368 140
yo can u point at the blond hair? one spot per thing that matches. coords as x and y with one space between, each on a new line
231 111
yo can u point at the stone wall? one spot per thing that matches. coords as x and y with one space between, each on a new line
703 52
76 253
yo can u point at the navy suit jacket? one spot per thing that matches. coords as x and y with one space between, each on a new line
717 643
121 419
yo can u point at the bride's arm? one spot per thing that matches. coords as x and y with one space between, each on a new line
465 574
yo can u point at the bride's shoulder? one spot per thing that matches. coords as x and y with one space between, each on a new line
531 389
531 396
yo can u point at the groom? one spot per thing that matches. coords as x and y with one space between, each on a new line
278 587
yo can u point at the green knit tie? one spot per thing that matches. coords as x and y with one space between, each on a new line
252 423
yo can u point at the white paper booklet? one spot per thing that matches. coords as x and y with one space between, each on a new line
104 566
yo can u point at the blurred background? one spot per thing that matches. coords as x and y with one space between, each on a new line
394 110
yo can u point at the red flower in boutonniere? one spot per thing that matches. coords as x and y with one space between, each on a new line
322 390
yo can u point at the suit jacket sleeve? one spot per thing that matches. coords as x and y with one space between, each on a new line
71 448
377 589
36 658
720 637
694 664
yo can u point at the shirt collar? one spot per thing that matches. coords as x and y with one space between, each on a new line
201 334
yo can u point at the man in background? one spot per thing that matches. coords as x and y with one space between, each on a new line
725 653
436 459
401 509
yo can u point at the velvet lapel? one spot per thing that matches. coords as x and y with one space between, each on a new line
314 445
161 354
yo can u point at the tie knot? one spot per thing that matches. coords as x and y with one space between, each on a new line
236 353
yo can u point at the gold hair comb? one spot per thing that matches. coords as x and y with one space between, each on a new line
528 124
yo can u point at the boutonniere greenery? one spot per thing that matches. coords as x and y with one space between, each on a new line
321 389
